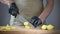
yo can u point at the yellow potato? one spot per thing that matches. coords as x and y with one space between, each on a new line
26 23
50 27
13 28
27 27
8 27
2 28
44 27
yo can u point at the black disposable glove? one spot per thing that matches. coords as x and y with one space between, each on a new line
35 21
13 10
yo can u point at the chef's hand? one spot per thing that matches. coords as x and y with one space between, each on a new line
35 21
13 10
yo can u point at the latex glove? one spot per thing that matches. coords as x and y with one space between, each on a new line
13 10
35 21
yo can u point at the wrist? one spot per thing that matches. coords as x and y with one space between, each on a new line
9 3
42 19
35 21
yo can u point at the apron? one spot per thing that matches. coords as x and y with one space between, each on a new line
29 8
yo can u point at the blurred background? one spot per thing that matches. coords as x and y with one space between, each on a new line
54 17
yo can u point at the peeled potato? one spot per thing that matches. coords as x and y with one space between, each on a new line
27 27
44 27
13 28
8 27
2 28
50 27
26 23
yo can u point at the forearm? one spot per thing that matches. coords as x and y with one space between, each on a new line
47 10
7 2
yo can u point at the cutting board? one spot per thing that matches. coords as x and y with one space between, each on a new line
29 31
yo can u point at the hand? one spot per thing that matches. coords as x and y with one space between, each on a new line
13 10
35 21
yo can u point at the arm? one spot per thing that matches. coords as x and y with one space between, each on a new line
36 21
13 9
7 2
47 10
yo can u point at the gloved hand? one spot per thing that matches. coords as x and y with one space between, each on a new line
35 21
13 10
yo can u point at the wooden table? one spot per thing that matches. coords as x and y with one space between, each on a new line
29 31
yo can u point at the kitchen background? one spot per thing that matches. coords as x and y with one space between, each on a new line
54 17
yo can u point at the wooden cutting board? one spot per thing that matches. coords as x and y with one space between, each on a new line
29 31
